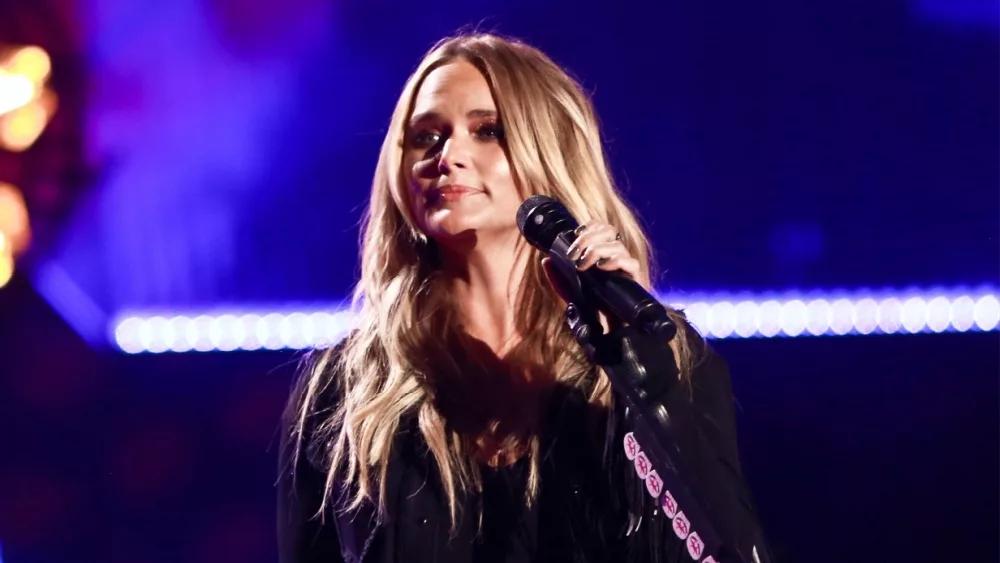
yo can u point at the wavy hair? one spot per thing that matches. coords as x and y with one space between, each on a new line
383 370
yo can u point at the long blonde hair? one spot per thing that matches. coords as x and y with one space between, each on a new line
380 372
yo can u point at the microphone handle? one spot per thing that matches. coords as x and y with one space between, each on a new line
613 293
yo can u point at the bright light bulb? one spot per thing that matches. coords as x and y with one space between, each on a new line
13 219
31 62
15 91
6 267
20 128
938 313
987 312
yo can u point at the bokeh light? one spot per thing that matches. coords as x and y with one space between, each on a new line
15 91
714 316
19 129
6 265
26 105
31 62
15 231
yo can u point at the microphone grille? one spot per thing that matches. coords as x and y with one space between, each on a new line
528 206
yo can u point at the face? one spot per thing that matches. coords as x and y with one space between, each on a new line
460 181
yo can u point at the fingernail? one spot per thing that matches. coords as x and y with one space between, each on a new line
572 251
582 257
579 229
602 262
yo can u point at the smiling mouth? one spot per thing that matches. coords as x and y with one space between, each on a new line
449 193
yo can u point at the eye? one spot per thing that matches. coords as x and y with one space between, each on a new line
423 139
490 131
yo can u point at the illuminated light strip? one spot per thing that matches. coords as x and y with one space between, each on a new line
835 315
229 332
714 315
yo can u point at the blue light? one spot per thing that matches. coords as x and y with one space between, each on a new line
961 13
715 315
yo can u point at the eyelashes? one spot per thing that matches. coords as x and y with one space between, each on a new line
422 139
490 130
427 138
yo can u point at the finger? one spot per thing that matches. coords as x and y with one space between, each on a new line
593 234
602 250
620 262
554 280
594 231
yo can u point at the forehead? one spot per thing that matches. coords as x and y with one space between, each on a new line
457 86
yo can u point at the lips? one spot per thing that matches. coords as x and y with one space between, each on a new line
450 192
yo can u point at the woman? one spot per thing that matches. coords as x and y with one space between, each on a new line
460 421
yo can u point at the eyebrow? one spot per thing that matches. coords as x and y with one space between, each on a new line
431 115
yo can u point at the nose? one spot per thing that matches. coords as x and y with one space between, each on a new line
454 154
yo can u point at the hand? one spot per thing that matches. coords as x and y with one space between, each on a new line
597 244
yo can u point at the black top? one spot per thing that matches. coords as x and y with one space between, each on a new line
509 532
587 510
510 528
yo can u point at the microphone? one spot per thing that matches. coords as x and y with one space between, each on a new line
548 226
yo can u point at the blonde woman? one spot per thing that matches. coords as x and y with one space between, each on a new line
460 421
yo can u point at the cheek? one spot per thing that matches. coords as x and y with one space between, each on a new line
409 165
414 176
413 191
500 174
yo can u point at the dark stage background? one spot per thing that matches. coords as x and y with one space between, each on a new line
214 154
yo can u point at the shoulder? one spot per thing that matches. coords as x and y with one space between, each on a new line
316 383
699 388
710 400
707 371
315 395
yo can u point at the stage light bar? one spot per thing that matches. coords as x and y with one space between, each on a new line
721 316
227 332
714 315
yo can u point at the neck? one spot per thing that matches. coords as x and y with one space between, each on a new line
484 281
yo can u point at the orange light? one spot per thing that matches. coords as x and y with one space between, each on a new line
31 62
6 267
20 128
16 91
14 225
25 104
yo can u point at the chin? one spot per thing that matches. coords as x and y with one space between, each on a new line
450 226
448 223
443 233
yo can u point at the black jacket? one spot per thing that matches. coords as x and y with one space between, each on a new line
583 512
